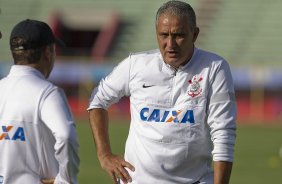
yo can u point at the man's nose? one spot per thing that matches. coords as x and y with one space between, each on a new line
171 42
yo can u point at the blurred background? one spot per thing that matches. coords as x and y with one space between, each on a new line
100 33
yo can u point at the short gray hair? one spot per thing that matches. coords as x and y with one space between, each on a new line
179 9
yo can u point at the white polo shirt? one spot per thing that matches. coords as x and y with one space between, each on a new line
37 133
180 120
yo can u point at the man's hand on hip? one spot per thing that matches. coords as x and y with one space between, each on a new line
115 166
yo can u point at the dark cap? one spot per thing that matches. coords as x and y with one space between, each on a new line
36 34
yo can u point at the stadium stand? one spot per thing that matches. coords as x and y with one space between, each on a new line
137 19
247 32
244 32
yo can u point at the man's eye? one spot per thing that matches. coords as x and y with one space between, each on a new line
180 35
163 35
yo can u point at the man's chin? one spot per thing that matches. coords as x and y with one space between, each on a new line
172 62
172 59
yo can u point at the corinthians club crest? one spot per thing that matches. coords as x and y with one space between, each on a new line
194 89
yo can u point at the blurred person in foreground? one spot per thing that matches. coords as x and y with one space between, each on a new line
182 109
38 139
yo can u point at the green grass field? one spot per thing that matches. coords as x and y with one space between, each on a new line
257 159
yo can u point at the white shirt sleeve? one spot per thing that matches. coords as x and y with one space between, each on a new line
55 113
222 113
113 87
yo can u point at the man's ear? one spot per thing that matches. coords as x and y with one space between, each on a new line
196 33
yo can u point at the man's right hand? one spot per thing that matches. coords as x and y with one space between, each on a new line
115 166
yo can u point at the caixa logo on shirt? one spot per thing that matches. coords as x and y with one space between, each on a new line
12 133
172 116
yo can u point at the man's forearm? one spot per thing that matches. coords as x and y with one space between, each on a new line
114 165
99 124
222 172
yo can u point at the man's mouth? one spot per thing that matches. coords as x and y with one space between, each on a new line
172 53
